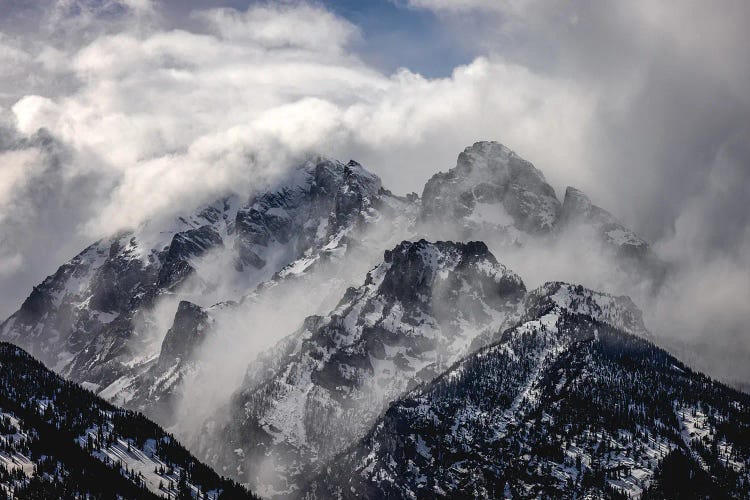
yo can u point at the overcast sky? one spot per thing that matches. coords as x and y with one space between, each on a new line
114 111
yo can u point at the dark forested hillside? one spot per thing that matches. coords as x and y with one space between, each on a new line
562 406
58 440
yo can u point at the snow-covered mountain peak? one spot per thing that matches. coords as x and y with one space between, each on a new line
492 188
617 311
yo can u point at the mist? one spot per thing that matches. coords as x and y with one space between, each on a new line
256 321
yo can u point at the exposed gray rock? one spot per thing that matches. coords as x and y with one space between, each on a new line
416 314
577 209
188 331
491 188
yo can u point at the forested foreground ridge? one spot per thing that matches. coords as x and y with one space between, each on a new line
58 440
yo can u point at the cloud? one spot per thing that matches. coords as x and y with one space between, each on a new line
300 26
711 241
459 5
190 109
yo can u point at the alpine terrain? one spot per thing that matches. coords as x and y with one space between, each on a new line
322 337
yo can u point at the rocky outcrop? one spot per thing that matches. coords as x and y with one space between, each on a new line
577 210
416 314
191 323
491 188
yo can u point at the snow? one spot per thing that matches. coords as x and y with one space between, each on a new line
116 392
106 317
490 213
285 420
15 460
297 267
616 311
142 461
90 386
693 426
529 393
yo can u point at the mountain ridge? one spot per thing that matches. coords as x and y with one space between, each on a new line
516 418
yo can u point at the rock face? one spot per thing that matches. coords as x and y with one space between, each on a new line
577 209
61 441
93 319
567 404
416 314
491 189
190 325
155 388
581 217
319 202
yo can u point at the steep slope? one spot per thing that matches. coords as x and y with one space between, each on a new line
417 313
101 318
196 331
58 440
578 209
155 390
568 404
579 214
132 316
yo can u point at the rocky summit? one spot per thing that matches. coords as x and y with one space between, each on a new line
416 314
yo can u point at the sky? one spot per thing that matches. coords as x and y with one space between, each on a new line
113 112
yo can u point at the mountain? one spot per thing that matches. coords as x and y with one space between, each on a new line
494 195
101 318
491 188
416 313
573 401
58 440
577 209
149 318
580 215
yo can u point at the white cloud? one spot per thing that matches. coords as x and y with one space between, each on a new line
299 26
462 5
16 167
